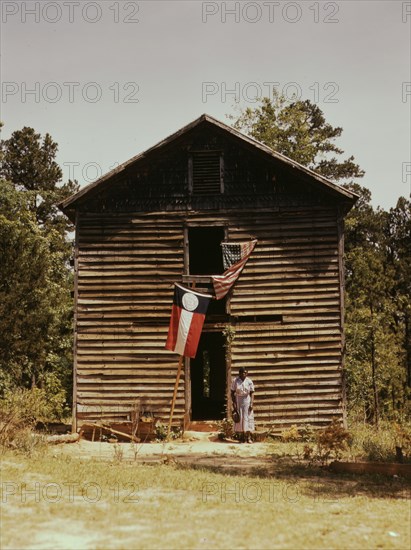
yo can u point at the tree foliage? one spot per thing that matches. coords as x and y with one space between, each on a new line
299 131
28 162
35 277
378 308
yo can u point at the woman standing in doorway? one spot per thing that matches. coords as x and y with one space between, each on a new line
242 395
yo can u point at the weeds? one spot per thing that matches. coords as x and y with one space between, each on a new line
389 442
291 434
20 410
330 442
118 453
226 429
135 449
380 444
161 432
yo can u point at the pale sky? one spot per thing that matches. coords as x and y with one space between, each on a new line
109 79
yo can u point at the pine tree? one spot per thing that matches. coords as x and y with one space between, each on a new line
35 278
299 131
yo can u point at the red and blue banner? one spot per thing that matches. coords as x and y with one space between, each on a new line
187 319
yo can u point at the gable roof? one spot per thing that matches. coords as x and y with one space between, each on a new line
70 202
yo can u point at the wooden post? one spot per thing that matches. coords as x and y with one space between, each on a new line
173 402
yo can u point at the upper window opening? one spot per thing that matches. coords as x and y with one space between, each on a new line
205 256
206 172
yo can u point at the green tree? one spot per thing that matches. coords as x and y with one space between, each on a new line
35 277
399 253
299 131
376 311
28 162
35 302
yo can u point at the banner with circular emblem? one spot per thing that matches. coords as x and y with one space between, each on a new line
187 320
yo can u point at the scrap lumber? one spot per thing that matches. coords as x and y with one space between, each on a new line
108 429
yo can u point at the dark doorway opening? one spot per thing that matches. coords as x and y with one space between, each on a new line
208 378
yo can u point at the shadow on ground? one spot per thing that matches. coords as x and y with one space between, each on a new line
321 482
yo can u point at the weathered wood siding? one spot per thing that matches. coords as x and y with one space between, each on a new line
294 272
126 266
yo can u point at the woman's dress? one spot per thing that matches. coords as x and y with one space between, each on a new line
242 390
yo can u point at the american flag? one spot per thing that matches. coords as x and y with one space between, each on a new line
235 256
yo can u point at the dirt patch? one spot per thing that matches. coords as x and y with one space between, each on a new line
197 449
60 535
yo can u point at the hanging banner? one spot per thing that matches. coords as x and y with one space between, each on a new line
187 319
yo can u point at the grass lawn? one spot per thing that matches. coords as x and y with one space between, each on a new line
68 502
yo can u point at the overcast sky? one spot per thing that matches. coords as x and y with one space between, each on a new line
109 79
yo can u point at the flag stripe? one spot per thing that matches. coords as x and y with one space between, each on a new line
173 328
194 335
186 318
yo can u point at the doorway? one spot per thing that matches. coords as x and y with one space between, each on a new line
208 378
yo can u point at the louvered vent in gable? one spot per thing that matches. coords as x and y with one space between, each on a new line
206 172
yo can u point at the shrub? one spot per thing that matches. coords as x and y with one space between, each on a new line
376 451
25 441
161 431
291 434
307 432
33 405
402 434
226 429
20 410
330 443
380 443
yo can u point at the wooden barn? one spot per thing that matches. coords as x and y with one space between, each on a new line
160 218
